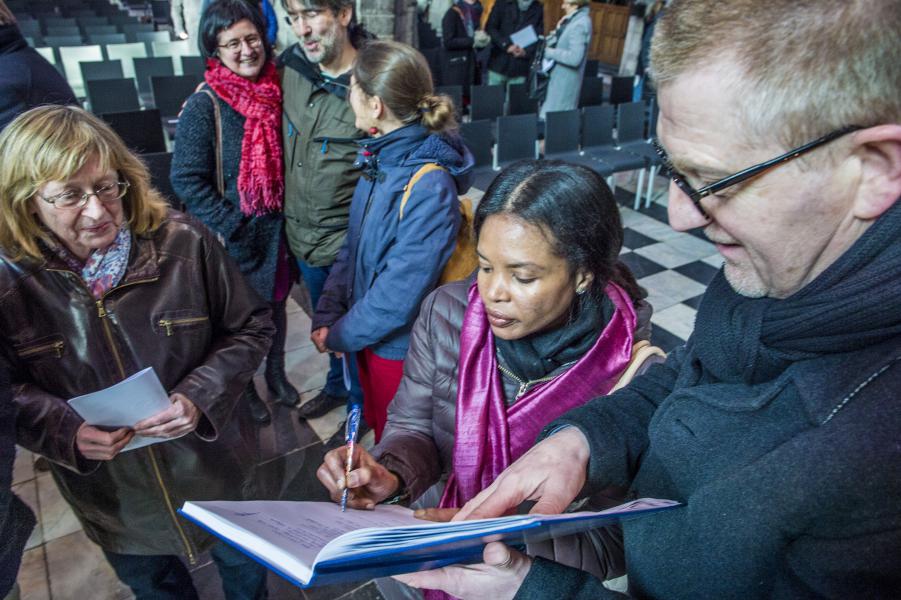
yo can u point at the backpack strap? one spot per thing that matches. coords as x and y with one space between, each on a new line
220 176
408 189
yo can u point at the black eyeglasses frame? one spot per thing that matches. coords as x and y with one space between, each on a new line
717 186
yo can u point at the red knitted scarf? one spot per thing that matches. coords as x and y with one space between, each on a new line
261 182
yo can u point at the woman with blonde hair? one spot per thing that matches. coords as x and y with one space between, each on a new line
99 280
402 230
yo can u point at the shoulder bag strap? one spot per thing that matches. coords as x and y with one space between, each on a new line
220 176
408 189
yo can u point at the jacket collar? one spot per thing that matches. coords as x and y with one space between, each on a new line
11 39
294 58
143 263
389 150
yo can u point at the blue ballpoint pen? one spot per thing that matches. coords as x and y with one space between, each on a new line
350 437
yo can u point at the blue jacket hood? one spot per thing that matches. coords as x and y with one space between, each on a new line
414 145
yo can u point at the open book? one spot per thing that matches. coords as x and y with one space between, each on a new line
314 543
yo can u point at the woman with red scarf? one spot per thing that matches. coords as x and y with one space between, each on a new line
228 168
551 320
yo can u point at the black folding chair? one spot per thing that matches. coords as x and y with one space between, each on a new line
151 66
107 38
621 89
141 130
171 91
561 140
517 138
518 101
112 95
193 65
93 70
631 137
486 102
598 144
477 135
592 92
160 164
456 94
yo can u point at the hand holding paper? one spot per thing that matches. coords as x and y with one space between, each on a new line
179 419
97 444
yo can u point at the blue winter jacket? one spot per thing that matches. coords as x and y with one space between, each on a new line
387 265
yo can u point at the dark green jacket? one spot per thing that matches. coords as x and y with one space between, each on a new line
320 149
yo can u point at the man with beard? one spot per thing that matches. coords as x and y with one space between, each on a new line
320 149
777 423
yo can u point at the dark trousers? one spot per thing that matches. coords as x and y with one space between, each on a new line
315 278
165 577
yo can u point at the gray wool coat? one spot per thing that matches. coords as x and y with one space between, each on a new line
569 50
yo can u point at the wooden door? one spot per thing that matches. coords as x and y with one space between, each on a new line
609 25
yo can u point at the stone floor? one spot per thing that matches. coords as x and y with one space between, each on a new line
60 563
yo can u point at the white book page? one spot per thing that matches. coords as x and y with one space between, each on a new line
292 534
124 404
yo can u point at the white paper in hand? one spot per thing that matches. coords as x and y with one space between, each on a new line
525 37
124 404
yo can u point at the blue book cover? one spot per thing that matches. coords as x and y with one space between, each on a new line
314 543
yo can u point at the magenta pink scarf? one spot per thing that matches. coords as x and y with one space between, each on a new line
489 435
261 179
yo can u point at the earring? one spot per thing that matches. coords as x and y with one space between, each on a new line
580 290
373 130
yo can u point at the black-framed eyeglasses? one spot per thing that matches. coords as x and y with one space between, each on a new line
717 186
71 199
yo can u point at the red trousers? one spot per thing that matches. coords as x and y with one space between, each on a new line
379 379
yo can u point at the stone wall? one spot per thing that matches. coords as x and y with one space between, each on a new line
377 16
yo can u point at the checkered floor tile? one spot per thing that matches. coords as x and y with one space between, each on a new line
673 267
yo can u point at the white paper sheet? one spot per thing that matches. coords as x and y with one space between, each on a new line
525 37
124 404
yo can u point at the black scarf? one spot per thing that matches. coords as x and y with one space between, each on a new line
540 354
854 304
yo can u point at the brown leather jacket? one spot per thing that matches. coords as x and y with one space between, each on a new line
418 440
182 308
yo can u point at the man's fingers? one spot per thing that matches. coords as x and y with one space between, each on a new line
475 508
550 504
437 579
158 419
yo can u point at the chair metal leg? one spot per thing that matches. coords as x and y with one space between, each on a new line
650 194
637 204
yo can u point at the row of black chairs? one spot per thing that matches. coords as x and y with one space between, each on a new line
144 69
65 8
121 94
142 32
604 138
82 25
492 101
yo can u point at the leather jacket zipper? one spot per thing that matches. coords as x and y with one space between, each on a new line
102 315
170 323
57 346
525 385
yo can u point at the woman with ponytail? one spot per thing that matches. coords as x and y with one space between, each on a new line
551 320
228 168
402 230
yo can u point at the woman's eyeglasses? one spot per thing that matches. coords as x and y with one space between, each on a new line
234 46
72 199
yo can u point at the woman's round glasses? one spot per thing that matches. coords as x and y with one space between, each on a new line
72 199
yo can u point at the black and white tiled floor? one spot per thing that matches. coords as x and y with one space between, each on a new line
61 563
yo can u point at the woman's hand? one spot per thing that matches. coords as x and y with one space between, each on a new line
177 420
498 578
96 444
368 483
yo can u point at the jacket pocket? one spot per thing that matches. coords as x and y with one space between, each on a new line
175 322
50 346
